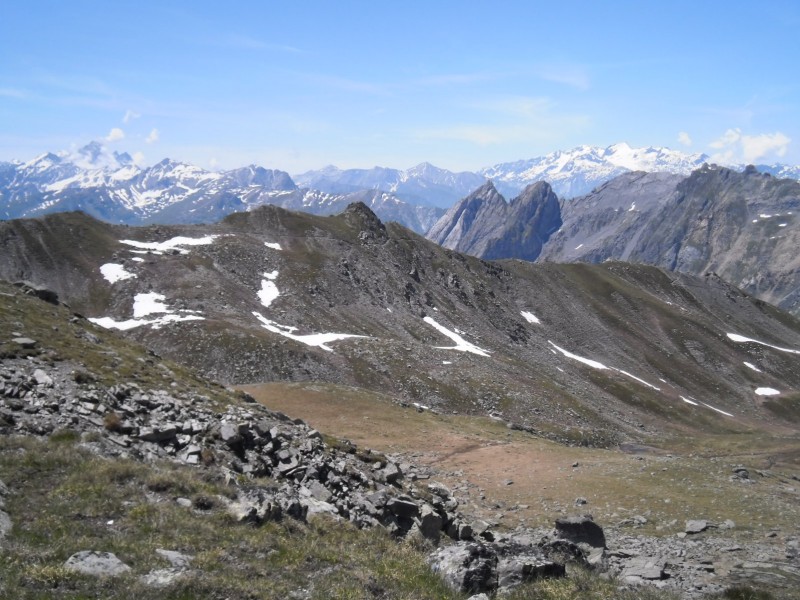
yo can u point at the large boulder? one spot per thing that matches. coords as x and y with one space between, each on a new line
99 564
581 530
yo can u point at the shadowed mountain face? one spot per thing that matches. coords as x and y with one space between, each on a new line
742 226
484 225
591 354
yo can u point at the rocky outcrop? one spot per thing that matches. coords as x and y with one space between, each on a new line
484 225
244 441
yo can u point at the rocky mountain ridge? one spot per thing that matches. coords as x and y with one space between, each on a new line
274 295
739 225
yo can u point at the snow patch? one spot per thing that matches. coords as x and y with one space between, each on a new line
592 363
148 304
598 365
530 317
765 391
144 305
114 272
318 340
752 366
271 276
462 345
741 339
175 243
158 323
722 412
268 293
273 245
692 402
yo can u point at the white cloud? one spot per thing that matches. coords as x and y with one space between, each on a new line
130 116
152 136
735 147
115 135
684 138
755 147
138 158
214 163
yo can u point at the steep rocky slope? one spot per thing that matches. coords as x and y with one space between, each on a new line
741 226
627 352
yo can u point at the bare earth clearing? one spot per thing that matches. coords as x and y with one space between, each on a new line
512 478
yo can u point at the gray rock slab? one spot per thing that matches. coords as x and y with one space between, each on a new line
5 524
696 526
644 567
42 378
176 559
99 564
25 342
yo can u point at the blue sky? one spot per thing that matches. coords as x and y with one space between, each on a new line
462 85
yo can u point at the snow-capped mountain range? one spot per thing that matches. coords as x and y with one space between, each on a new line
578 171
110 186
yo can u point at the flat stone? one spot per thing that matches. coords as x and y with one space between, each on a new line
644 567
99 564
319 491
42 378
176 559
156 434
403 506
696 526
25 342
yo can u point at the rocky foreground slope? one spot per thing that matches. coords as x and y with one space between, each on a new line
210 458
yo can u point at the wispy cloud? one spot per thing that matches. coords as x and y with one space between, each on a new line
152 137
734 146
684 139
509 120
130 116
